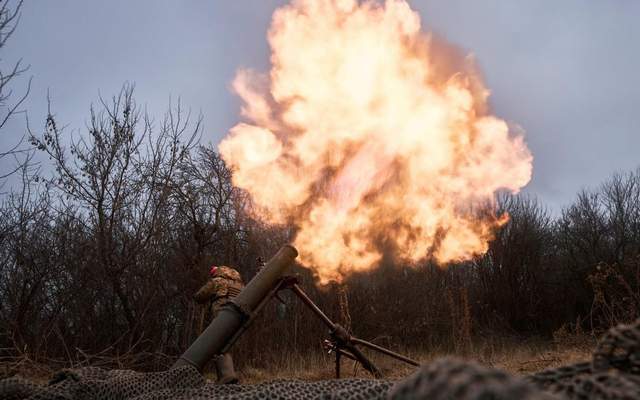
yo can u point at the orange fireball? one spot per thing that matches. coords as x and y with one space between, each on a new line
372 138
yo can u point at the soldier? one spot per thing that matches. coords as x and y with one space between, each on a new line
224 283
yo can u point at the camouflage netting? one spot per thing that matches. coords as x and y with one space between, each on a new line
613 373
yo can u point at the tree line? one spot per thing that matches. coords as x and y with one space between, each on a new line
100 257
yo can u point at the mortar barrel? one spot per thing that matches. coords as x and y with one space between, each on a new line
234 314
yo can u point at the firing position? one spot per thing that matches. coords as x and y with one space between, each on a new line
224 283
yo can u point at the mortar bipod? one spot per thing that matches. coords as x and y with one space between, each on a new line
341 342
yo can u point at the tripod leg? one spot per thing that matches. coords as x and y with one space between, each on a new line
362 359
337 332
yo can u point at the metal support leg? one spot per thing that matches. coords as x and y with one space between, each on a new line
339 334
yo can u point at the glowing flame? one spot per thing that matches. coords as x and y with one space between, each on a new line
373 138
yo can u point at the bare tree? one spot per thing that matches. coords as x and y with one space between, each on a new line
102 259
9 104
120 177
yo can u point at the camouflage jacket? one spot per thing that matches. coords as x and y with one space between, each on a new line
226 283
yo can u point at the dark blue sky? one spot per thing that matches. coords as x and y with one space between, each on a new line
566 71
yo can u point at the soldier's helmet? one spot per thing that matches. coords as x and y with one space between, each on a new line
225 272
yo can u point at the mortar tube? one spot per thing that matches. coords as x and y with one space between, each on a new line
233 315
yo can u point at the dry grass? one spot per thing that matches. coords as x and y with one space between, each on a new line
26 368
515 356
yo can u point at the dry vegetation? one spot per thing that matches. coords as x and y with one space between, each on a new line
515 356
102 250
100 259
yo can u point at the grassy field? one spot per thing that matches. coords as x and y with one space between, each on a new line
515 356
510 354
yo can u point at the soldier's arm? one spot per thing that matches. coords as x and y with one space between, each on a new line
207 291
